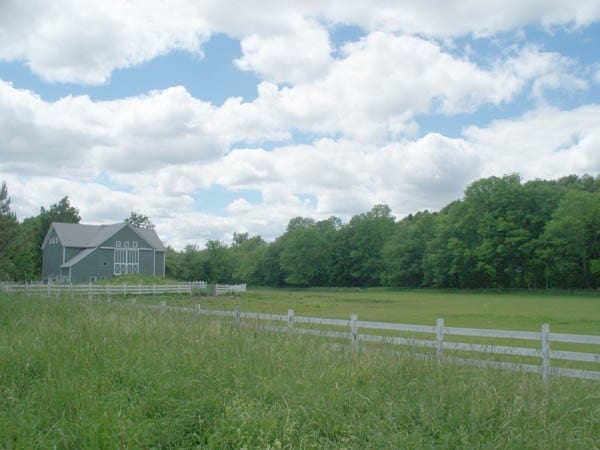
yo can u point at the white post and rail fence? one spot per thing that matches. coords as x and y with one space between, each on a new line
444 350
442 340
93 289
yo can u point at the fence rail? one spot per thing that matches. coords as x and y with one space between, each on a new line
350 331
120 289
104 289
221 289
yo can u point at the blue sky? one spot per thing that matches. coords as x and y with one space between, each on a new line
212 123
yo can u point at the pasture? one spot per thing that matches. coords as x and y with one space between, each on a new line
566 313
79 374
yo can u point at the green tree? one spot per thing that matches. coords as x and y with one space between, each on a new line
218 262
570 244
37 227
306 257
9 236
403 254
173 264
367 234
247 255
139 221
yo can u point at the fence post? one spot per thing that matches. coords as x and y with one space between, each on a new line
139 288
354 331
124 289
439 337
198 308
545 352
90 290
290 319
238 317
190 288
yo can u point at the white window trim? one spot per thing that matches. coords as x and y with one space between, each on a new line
126 260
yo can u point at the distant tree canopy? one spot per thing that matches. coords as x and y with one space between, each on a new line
139 221
502 234
20 243
9 231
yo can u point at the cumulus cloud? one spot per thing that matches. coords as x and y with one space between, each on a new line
128 135
374 91
361 106
548 70
544 143
344 177
371 95
67 41
298 55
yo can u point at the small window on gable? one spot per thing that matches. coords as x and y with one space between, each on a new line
126 244
117 243
134 244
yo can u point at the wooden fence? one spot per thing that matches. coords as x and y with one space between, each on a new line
349 330
221 289
104 289
442 341
120 289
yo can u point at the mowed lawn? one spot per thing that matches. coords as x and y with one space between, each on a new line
566 313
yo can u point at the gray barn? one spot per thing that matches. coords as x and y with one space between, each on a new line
77 253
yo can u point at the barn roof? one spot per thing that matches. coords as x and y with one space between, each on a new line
91 236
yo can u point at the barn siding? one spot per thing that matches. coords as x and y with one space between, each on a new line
52 259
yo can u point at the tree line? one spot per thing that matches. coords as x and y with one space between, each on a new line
502 234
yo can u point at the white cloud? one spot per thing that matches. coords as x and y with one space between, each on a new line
154 153
344 177
460 17
546 143
128 135
548 70
300 54
383 81
70 41
371 95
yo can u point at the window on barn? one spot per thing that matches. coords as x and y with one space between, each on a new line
127 260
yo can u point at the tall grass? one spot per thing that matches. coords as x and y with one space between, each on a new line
78 375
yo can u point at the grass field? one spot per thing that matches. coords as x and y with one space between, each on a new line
566 313
88 375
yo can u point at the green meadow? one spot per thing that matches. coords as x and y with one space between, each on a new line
566 313
81 374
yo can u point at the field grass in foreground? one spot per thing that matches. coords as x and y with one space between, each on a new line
79 375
